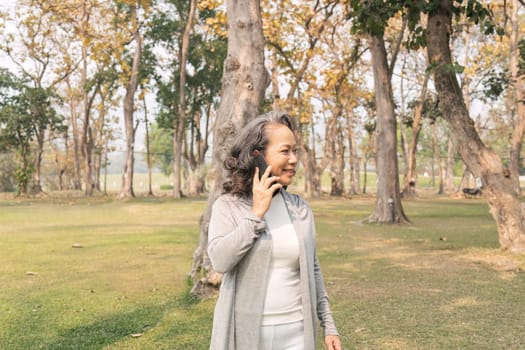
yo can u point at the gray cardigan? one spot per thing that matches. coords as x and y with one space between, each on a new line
239 246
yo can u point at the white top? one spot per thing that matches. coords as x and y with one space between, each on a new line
283 295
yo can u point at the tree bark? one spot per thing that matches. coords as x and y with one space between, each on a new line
334 151
409 183
37 183
77 183
438 158
388 202
449 175
518 80
353 173
244 81
126 191
86 139
179 123
481 161
148 153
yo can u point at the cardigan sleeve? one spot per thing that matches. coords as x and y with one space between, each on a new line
323 305
231 234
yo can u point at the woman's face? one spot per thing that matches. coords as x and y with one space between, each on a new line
281 152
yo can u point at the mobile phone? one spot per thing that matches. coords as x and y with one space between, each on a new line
260 162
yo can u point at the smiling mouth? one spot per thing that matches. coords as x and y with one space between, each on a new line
290 171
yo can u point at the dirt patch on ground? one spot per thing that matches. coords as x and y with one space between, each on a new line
494 259
461 303
407 257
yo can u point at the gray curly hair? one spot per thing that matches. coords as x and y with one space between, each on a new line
240 164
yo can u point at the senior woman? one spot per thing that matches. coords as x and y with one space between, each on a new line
262 239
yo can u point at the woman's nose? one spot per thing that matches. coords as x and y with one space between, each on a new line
293 158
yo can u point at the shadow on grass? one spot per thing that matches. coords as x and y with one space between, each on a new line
109 330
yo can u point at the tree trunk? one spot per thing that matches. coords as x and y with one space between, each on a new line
86 139
244 81
449 176
337 168
334 152
37 182
481 160
353 173
196 181
437 156
409 184
148 154
179 123
126 191
388 202
23 175
77 184
106 163
308 159
364 174
97 166
87 152
60 168
275 82
519 97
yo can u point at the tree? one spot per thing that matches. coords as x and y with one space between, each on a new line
409 183
244 82
388 198
37 56
189 90
161 147
517 68
128 12
481 161
296 58
179 122
208 53
25 114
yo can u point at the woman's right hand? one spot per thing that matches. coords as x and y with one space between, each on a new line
263 190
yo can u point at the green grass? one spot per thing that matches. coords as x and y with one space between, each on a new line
437 283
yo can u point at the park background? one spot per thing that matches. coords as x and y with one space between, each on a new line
93 257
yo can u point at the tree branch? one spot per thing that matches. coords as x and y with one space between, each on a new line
397 47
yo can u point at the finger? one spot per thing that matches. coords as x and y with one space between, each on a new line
275 187
256 175
272 179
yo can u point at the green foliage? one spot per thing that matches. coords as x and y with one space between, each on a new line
7 172
495 84
161 148
205 62
431 109
166 187
26 112
23 175
372 16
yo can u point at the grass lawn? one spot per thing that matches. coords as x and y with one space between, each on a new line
438 283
